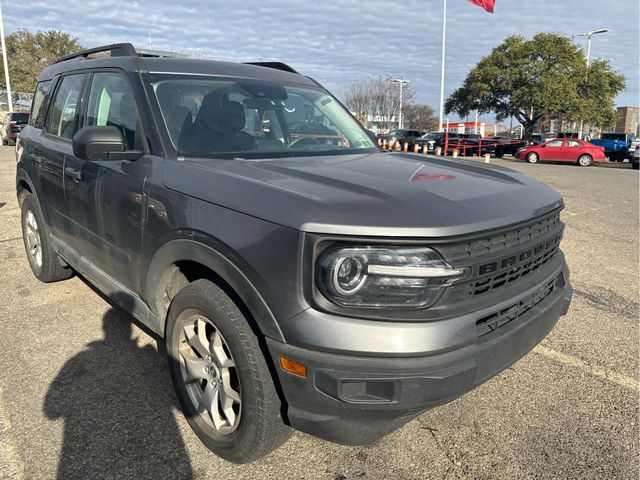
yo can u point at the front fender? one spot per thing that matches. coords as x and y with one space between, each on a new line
212 258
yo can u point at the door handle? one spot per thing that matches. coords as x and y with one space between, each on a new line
37 159
73 174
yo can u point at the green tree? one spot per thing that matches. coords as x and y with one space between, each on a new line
30 53
546 75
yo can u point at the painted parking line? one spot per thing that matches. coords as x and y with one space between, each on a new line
617 378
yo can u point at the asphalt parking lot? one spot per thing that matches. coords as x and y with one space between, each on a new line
84 393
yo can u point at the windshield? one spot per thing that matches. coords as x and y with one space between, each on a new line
245 118
432 136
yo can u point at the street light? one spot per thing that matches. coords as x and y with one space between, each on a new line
5 63
402 83
589 35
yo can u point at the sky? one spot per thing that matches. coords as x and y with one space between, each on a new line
338 42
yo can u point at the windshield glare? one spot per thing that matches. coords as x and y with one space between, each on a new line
243 118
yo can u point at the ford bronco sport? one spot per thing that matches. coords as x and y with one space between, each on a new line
300 276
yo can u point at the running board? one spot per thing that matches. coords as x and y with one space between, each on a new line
118 293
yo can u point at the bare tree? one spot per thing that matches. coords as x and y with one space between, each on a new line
420 117
357 99
377 98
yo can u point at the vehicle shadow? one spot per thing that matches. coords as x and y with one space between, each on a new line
117 401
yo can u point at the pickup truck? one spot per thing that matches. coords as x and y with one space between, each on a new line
617 146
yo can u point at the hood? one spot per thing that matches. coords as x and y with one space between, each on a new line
378 194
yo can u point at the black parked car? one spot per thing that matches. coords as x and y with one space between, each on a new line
297 281
400 137
12 125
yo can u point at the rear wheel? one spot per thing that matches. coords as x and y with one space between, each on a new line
43 260
499 153
533 157
220 375
585 160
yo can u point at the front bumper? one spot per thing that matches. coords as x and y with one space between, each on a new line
356 399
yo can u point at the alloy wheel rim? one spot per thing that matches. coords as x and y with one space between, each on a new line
533 158
210 374
584 160
34 245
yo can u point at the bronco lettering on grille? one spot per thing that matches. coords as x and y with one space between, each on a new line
514 260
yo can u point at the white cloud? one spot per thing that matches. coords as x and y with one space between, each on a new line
339 41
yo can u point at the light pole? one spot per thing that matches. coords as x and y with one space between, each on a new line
589 35
5 62
402 83
444 42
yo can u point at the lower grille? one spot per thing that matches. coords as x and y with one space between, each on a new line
493 322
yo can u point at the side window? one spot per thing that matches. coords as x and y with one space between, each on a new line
111 103
573 143
555 144
61 120
38 107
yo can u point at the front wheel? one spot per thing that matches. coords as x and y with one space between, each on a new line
220 375
585 160
533 157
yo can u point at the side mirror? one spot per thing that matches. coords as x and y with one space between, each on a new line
543 145
102 143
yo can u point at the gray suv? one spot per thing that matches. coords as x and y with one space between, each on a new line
300 276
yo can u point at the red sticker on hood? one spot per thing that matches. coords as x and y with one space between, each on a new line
431 176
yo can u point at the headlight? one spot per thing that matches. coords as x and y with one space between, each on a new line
383 277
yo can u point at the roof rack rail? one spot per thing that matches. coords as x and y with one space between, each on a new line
275 65
116 50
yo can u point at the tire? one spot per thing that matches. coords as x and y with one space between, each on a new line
585 160
250 426
533 157
499 153
43 260
635 165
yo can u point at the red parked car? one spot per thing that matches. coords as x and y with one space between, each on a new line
563 150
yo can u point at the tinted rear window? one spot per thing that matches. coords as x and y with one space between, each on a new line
19 117
614 136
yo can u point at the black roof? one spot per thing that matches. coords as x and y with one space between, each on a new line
124 56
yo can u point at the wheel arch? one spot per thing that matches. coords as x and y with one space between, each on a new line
24 184
181 261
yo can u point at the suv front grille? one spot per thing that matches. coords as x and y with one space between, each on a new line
526 249
460 252
498 319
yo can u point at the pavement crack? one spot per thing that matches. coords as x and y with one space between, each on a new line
10 239
608 301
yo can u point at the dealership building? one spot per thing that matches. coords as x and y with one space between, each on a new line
628 121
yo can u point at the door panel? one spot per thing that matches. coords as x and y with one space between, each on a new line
52 146
552 150
572 150
105 198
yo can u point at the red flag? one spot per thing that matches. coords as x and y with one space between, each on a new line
486 4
